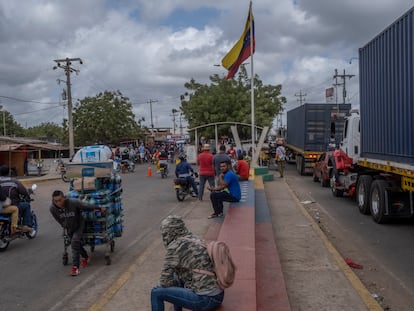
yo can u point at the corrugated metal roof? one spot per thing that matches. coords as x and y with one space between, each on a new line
31 147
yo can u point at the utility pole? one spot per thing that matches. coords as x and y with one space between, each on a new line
174 114
300 95
68 70
181 125
343 77
152 123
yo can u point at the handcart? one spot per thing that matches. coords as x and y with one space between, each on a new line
97 184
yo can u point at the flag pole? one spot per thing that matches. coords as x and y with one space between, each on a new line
252 83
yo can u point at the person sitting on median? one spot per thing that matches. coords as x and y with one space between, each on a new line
242 168
183 282
228 189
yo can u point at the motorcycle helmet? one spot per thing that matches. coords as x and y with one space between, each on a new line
182 156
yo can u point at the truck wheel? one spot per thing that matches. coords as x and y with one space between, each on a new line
300 165
378 201
337 193
363 191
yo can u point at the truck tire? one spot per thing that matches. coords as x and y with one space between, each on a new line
377 198
300 165
363 194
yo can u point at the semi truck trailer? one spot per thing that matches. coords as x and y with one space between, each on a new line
311 130
376 159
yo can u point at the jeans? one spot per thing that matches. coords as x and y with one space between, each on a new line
183 298
218 197
77 247
193 184
26 213
203 179
281 167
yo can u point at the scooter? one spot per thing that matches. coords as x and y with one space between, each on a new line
5 226
164 170
183 188
127 165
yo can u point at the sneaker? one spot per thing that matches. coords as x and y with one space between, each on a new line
27 229
212 216
220 215
84 262
74 271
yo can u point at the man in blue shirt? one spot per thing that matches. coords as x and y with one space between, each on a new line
228 189
185 170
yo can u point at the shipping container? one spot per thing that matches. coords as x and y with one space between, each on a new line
386 69
311 130
312 127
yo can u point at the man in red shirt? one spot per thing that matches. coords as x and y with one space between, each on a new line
205 169
232 152
242 169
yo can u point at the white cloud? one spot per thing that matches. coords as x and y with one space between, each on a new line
127 45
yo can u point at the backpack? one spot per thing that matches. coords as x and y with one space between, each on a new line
224 267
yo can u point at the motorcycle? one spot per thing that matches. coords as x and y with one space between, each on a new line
5 226
127 165
63 173
183 188
164 170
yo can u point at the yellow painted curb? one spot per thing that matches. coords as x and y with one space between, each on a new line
363 292
117 285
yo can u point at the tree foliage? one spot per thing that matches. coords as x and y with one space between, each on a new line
106 118
230 101
8 125
47 131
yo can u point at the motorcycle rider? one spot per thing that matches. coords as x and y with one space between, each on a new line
19 196
12 210
163 159
185 170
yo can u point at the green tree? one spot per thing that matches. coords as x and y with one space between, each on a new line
47 131
106 118
8 125
230 101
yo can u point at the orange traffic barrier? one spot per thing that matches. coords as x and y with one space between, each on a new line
149 171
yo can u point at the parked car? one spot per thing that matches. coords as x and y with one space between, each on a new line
322 170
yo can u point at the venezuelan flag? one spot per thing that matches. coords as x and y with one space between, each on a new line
241 50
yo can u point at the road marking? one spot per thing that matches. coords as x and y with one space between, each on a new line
119 283
360 288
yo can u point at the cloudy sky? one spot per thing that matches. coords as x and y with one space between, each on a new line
148 49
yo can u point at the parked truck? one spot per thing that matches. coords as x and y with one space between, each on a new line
376 160
311 130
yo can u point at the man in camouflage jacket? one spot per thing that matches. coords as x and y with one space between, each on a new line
180 283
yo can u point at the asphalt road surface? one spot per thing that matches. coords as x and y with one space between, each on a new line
385 251
33 276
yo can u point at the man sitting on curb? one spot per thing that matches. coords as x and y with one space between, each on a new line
228 189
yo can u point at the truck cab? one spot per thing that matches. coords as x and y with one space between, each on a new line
351 136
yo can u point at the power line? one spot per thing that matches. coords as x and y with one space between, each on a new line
300 95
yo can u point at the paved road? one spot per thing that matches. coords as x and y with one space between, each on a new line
37 280
385 251
33 277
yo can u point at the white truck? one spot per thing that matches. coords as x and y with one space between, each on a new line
376 159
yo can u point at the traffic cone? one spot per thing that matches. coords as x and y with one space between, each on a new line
149 171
